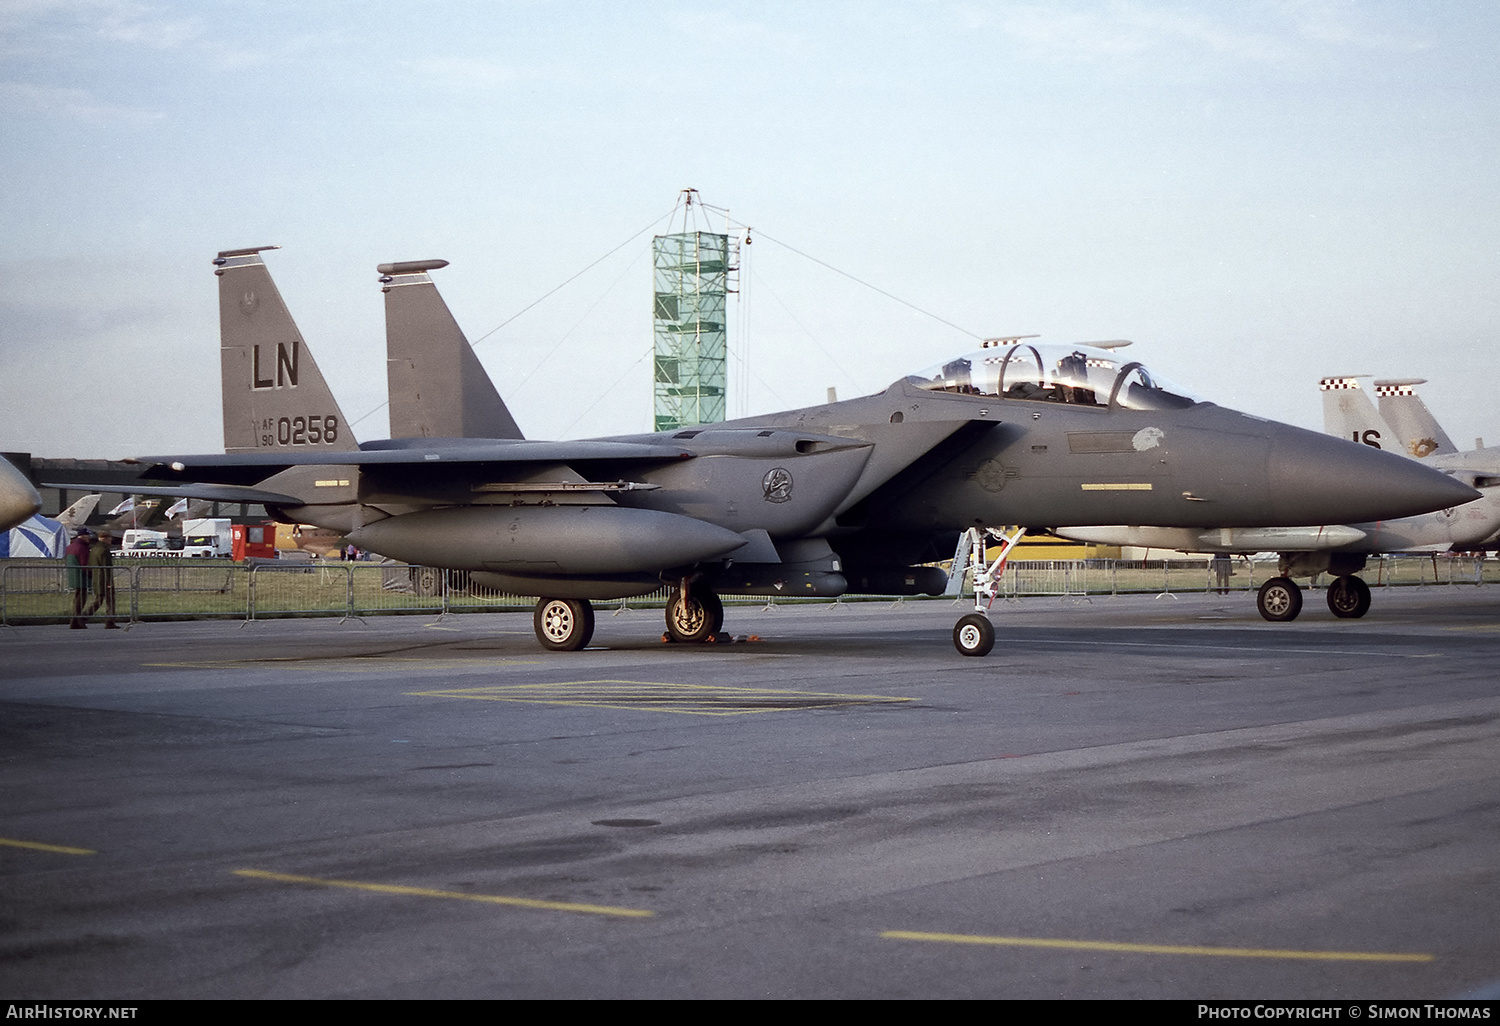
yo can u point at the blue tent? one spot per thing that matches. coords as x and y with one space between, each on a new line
37 537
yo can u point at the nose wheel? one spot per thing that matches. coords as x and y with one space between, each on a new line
1349 597
563 625
974 635
1279 599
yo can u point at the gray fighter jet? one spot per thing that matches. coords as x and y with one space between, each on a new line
848 497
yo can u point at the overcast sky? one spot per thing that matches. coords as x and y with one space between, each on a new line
1257 194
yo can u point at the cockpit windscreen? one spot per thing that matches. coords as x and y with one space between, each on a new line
1081 375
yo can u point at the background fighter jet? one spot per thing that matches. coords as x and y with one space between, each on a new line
1405 418
76 515
1412 425
846 497
1405 425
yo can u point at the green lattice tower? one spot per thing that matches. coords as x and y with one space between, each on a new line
691 277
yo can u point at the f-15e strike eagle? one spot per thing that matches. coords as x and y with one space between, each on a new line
848 497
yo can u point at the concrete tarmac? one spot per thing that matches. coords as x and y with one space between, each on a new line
1131 797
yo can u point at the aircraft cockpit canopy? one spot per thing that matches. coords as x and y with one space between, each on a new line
1081 375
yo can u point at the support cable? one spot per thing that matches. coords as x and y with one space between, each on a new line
846 274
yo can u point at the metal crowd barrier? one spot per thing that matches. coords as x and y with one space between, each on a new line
35 591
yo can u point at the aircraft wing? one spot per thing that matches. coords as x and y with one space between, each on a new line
251 467
205 491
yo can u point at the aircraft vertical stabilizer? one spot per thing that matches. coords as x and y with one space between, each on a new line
274 395
1416 429
1348 413
438 387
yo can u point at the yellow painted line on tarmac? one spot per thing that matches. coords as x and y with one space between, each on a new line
348 664
60 849
1154 949
427 892
1488 627
656 696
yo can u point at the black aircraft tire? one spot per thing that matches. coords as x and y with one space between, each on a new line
715 607
563 625
1279 600
1349 598
698 619
974 635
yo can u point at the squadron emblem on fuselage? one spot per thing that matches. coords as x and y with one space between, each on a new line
776 486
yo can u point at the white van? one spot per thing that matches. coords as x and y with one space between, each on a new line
210 536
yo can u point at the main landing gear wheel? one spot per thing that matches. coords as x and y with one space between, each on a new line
1279 599
697 619
1349 597
974 635
564 625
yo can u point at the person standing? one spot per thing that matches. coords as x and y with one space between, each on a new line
102 570
1223 568
76 557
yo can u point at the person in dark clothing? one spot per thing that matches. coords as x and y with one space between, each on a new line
1223 568
76 557
101 569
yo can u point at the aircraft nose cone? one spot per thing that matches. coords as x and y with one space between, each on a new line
18 499
1318 479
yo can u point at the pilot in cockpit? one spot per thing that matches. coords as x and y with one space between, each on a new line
1072 378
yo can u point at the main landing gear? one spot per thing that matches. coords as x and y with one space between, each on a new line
694 615
563 625
1280 598
1348 597
974 635
566 625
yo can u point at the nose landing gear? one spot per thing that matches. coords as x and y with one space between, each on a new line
974 635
